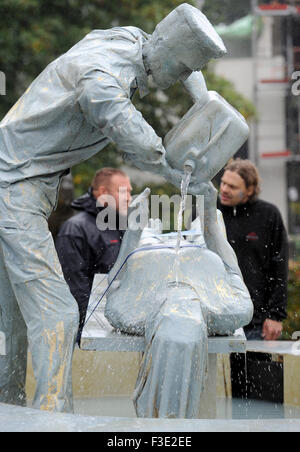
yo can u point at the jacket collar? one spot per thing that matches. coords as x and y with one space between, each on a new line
240 209
87 203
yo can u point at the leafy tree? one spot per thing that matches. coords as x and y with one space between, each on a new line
35 32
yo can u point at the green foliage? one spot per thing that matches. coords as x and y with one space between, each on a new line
35 32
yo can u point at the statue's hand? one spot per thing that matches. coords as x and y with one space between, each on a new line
210 204
210 195
197 189
172 175
175 177
141 202
142 197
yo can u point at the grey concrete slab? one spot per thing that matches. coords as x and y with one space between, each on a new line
275 347
108 340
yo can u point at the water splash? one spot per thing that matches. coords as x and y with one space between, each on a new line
184 191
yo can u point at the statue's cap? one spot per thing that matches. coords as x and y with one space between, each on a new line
187 26
202 30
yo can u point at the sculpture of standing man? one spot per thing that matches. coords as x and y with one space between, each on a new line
77 105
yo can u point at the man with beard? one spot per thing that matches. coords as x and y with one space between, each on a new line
257 234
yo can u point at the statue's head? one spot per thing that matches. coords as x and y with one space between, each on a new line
183 42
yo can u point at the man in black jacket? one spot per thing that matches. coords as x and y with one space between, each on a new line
257 234
84 249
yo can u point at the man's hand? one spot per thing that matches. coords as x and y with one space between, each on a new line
271 330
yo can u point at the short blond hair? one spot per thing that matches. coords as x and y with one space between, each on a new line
104 175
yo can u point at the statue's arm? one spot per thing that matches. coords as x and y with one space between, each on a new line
215 233
216 241
107 107
196 87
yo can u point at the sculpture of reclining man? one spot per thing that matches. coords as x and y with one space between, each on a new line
210 298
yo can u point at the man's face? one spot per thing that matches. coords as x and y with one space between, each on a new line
233 190
119 188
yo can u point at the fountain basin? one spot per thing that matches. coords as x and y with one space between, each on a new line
16 419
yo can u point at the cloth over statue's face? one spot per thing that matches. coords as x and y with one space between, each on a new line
182 43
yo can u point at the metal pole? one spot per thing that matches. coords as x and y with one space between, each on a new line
255 87
290 48
298 102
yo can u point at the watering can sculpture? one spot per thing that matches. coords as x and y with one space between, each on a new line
178 312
